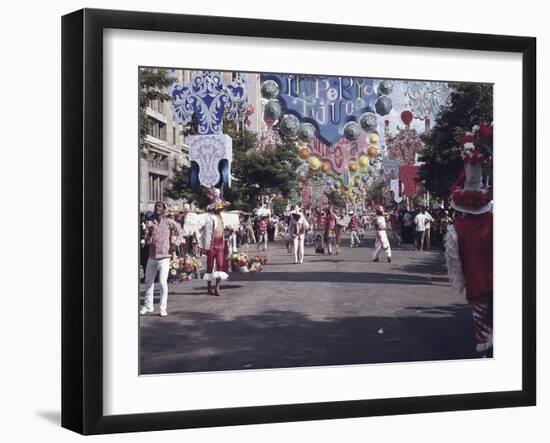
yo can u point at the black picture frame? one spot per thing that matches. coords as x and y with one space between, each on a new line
82 218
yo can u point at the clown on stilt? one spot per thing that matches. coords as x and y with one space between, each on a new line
469 241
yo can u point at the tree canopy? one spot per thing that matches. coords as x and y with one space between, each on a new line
254 173
471 104
152 86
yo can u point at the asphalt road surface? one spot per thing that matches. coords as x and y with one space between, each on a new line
330 310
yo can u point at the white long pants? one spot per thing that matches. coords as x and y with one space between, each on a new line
162 266
354 238
262 239
298 244
380 243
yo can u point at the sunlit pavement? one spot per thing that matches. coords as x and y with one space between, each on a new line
330 310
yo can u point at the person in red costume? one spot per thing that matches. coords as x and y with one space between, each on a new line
469 245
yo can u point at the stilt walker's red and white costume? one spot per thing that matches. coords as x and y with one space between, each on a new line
469 243
381 241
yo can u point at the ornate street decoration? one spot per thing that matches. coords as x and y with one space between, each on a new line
207 151
207 97
405 144
328 103
427 98
268 140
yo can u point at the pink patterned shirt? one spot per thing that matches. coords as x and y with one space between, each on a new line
161 236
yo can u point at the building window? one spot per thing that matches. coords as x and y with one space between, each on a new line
159 161
156 187
174 136
158 129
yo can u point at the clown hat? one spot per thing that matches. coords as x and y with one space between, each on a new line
472 197
216 201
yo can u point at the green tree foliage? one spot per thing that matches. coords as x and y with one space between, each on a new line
152 86
471 104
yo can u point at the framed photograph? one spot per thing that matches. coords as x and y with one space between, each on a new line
270 221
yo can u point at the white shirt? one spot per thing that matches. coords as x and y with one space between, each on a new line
380 222
429 220
420 222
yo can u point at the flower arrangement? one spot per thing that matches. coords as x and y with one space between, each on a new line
256 263
184 268
239 262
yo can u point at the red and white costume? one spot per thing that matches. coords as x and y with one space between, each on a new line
353 226
469 246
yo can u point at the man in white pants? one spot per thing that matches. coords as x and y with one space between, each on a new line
381 241
297 229
163 234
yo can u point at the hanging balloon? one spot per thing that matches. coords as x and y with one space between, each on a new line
352 131
385 87
272 111
363 161
270 89
306 132
383 105
406 117
326 167
289 125
337 185
353 166
304 153
374 139
329 181
365 178
372 151
368 121
314 163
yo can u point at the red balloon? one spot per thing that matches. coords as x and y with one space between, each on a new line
407 117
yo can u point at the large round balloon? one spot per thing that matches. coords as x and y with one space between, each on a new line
304 153
372 151
326 167
385 87
368 121
374 139
314 163
306 132
270 89
352 131
407 117
289 125
383 105
364 161
272 110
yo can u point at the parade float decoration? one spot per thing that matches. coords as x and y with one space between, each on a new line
208 97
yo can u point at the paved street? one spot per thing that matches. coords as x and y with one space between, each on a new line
331 310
